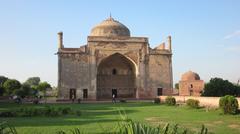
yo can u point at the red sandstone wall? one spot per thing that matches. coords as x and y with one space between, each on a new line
204 101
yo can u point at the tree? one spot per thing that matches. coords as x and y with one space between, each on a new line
219 87
24 91
32 81
11 85
237 89
2 80
43 86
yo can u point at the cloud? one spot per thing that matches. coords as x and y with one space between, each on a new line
232 35
234 48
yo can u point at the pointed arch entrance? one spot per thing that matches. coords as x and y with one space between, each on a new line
116 75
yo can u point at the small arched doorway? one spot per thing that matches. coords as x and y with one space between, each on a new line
116 75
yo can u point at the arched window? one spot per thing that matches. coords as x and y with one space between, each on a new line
114 71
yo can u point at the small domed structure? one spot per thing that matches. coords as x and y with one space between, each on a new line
190 84
110 28
190 76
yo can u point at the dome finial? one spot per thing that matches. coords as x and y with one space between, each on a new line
110 16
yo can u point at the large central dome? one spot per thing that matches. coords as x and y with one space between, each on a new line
110 28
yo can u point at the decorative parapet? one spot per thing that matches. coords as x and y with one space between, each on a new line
118 39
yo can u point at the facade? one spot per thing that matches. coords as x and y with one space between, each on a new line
190 84
113 62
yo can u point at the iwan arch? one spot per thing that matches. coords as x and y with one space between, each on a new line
113 62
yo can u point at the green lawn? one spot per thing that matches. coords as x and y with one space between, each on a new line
97 116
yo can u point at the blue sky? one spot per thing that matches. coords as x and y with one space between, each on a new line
205 34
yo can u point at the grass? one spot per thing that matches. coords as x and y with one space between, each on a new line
97 116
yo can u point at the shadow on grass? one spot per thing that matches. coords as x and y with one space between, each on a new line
91 113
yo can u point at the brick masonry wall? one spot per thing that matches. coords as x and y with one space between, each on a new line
204 101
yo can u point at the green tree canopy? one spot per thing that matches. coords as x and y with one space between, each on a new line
220 87
43 86
24 91
2 80
11 85
32 81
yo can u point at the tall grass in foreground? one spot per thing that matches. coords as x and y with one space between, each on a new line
128 126
6 128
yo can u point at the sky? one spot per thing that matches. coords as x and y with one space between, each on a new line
205 34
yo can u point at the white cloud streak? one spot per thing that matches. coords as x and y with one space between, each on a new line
234 48
232 35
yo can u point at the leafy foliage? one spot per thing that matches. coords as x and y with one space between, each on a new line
43 86
2 80
193 103
220 87
32 81
11 85
6 128
128 126
24 91
44 111
171 101
228 104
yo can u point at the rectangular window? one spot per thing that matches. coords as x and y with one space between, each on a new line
159 91
85 93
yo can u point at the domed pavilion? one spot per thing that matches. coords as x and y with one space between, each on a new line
190 84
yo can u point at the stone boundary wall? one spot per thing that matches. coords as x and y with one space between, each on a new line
204 101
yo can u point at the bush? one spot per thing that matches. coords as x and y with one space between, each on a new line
228 104
66 110
171 101
8 114
192 103
52 111
157 100
45 111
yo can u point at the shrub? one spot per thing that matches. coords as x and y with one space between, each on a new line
66 110
52 112
156 100
45 111
192 103
7 114
228 104
171 101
